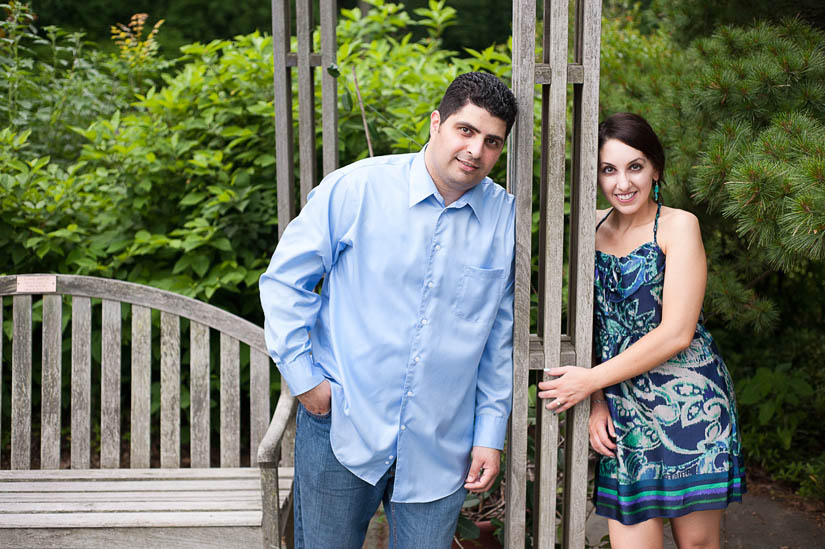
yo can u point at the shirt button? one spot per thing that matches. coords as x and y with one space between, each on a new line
386 463
424 321
430 284
403 427
409 393
417 359
390 457
438 247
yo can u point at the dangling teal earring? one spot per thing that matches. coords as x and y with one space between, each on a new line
656 191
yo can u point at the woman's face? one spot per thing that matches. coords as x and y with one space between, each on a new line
625 176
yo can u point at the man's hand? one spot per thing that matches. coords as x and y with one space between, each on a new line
318 399
484 469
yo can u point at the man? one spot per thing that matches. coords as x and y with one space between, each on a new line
403 364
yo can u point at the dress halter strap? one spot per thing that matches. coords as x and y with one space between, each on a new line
656 221
605 217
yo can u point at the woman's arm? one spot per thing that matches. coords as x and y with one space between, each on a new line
683 293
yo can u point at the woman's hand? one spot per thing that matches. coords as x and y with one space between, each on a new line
602 433
572 385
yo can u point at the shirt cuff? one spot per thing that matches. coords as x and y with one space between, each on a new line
490 432
301 374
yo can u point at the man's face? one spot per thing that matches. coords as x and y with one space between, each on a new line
463 149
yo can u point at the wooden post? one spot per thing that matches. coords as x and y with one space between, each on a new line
582 253
520 183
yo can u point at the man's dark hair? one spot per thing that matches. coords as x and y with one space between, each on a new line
483 90
633 130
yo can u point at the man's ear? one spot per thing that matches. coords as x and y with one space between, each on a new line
435 122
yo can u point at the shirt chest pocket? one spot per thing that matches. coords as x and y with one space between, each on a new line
479 293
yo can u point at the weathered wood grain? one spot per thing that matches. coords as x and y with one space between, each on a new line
141 386
81 382
582 253
551 246
199 537
230 402
520 183
199 398
51 382
258 401
306 98
153 298
67 504
282 102
21 382
110 386
169 390
329 86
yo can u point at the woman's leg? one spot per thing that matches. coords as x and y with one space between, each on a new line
644 535
698 530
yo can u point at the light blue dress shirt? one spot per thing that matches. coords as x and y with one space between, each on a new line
413 327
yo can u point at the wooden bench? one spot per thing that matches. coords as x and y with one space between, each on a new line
87 495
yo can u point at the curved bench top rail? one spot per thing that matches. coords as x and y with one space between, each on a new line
137 294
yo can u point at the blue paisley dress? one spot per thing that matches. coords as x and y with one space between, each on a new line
677 432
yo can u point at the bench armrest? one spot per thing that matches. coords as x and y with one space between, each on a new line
271 443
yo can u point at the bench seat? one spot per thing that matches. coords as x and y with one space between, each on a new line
95 507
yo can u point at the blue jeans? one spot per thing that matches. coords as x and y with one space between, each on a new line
333 507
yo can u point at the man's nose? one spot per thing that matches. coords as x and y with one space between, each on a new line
475 145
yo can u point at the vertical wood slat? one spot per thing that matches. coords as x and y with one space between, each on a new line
230 402
258 401
283 114
169 390
329 86
520 182
199 394
21 381
582 252
51 382
1 363
306 98
141 387
110 386
554 117
81 382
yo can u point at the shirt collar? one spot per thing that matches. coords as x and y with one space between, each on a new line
422 187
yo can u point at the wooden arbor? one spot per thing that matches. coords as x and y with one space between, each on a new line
553 344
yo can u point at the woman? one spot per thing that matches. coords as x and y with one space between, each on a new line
663 414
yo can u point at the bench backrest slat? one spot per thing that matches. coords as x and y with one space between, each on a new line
21 376
169 390
230 402
258 400
199 394
51 376
141 386
81 382
110 386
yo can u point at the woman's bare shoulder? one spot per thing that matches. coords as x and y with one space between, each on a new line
677 225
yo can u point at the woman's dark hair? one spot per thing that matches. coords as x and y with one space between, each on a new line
634 131
482 89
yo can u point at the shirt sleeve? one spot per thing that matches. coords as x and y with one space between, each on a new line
494 390
307 250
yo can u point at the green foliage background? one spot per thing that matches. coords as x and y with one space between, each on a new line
162 171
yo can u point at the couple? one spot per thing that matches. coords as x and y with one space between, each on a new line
403 363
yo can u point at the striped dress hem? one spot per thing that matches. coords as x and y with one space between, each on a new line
667 498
